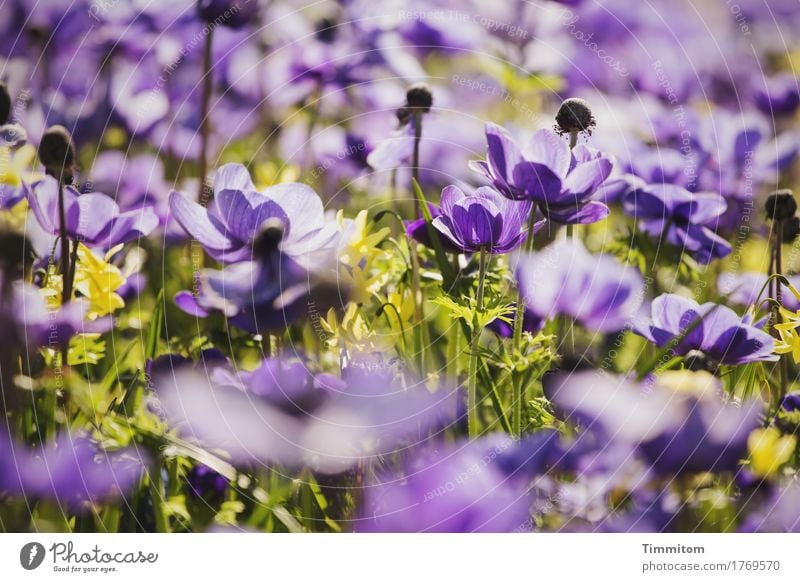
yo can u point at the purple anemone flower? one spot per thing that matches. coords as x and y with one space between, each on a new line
459 489
681 218
483 220
596 291
713 329
284 413
236 216
562 182
672 432
93 219
72 469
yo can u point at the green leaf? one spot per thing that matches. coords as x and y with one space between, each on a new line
156 325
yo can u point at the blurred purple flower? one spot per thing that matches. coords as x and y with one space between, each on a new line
483 220
673 432
325 423
137 181
93 219
715 330
71 469
562 182
461 488
596 291
681 218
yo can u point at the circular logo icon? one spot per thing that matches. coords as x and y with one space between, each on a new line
31 555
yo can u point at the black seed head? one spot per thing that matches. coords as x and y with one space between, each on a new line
5 104
697 361
326 30
575 115
780 205
419 97
791 229
268 240
57 153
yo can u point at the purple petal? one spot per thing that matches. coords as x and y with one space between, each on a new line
187 303
232 177
194 220
586 177
702 208
132 225
549 149
503 152
540 183
451 195
44 203
588 213
668 311
96 213
302 207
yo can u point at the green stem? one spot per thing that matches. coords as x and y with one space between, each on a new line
472 387
519 316
415 161
573 138
778 228
419 311
453 351
157 495
64 240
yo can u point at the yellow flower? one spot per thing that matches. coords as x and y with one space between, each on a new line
769 450
97 280
361 257
791 320
789 342
53 288
16 167
361 243
404 304
353 333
